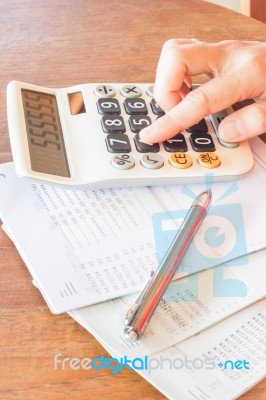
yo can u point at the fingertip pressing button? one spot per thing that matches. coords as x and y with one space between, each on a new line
216 119
180 160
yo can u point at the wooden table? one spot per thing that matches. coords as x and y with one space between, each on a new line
62 43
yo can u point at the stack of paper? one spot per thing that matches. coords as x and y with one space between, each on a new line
87 247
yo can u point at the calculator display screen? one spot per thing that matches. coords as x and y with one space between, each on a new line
44 133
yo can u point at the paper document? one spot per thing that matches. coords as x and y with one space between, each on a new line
87 246
193 366
193 310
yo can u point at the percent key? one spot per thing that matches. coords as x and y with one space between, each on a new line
123 161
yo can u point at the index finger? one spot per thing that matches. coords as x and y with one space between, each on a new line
179 59
233 67
213 96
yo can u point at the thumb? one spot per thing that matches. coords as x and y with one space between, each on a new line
245 123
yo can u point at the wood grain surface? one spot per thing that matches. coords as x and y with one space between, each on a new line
61 43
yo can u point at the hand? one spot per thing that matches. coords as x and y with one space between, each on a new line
236 71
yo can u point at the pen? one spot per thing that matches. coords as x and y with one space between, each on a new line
140 312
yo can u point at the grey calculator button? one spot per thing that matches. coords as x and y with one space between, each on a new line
123 161
131 91
150 90
151 161
104 91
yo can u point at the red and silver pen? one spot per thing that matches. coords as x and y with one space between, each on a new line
141 311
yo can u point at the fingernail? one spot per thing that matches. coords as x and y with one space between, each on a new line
147 132
231 130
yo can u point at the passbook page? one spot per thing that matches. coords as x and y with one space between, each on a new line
192 306
81 247
87 246
235 223
221 363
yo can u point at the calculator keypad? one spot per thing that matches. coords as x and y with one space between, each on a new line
135 106
108 106
152 161
143 147
200 127
131 91
105 91
113 124
180 160
156 109
209 160
138 122
118 139
216 119
123 161
202 142
118 143
177 143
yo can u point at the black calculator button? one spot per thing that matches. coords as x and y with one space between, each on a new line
202 142
145 147
135 106
118 143
108 106
138 122
177 143
200 127
113 124
156 109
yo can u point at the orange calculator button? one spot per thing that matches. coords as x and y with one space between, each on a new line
209 160
180 160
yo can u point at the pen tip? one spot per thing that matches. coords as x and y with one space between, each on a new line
208 191
130 333
204 198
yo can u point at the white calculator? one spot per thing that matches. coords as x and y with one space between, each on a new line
88 136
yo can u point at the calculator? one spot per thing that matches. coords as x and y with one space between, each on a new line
88 136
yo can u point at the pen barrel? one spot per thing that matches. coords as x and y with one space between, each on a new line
164 274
